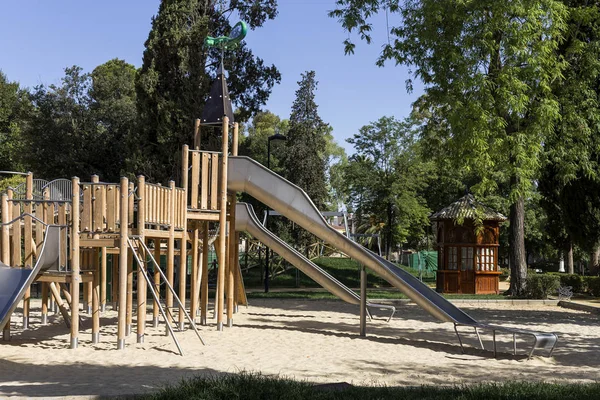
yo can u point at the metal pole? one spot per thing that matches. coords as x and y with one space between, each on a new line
363 301
267 223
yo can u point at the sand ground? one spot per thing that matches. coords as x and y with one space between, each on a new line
316 341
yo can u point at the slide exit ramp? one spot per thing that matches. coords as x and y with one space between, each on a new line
15 281
247 175
246 220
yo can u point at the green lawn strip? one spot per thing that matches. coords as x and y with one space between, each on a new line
346 270
255 386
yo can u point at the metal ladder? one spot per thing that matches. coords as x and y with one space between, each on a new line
144 271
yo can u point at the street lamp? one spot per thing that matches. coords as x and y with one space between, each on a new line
277 136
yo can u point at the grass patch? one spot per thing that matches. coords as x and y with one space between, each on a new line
345 270
255 386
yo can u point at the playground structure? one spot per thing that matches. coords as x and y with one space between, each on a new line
138 222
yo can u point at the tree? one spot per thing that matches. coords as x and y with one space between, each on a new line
113 109
490 65
14 106
83 126
254 145
60 128
386 178
571 153
306 148
177 72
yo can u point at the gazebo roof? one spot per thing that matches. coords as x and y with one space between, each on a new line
466 208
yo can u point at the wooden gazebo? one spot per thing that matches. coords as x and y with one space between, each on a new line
467 253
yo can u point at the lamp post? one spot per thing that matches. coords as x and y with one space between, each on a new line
277 136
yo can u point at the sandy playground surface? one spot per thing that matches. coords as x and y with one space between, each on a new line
315 341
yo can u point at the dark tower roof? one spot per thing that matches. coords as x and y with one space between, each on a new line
465 208
218 104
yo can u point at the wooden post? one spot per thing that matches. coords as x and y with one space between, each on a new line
171 243
6 248
155 308
28 238
194 288
232 241
123 236
49 220
114 287
103 278
197 134
183 246
363 301
141 281
204 279
59 303
130 204
223 224
96 296
75 253
97 225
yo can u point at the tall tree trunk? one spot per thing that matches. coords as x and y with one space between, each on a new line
594 260
516 240
388 239
570 265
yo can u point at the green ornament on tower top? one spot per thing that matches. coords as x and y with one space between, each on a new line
237 34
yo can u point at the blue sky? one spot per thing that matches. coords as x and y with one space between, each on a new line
38 39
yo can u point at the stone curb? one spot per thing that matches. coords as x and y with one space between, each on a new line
579 307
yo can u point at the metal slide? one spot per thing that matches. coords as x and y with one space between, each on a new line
247 175
246 220
15 281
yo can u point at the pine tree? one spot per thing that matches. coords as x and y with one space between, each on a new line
177 72
305 159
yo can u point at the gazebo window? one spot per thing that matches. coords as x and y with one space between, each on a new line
466 259
452 258
485 259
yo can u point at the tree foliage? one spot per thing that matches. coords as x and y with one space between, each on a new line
490 65
14 108
177 72
81 127
386 179
305 158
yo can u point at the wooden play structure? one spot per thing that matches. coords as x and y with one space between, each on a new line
134 224
467 256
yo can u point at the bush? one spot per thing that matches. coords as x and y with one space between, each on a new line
541 286
593 285
577 282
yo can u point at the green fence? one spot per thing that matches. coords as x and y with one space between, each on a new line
424 260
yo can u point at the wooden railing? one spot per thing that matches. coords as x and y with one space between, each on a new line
204 180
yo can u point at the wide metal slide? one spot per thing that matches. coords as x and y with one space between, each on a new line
15 281
247 175
246 220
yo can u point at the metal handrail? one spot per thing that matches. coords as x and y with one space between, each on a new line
181 305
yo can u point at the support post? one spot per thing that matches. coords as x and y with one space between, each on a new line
5 249
103 278
363 301
123 236
156 306
171 245
28 239
204 279
75 254
95 264
222 223
142 285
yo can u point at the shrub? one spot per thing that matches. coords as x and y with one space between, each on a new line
541 286
577 282
593 285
